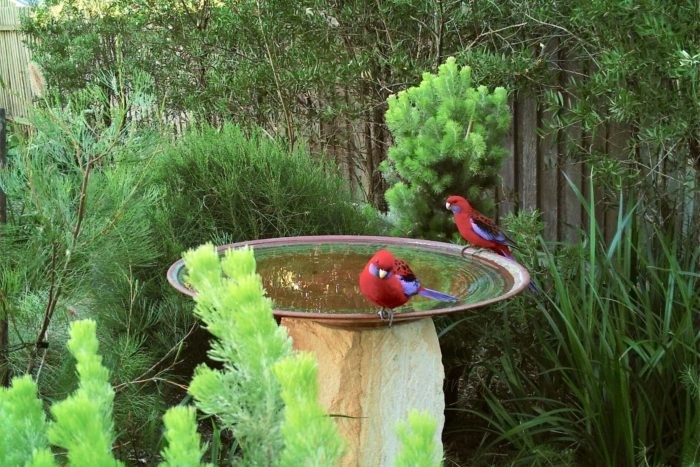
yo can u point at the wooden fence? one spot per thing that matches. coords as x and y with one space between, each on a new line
542 166
534 176
15 88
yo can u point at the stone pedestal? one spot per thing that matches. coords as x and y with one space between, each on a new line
370 378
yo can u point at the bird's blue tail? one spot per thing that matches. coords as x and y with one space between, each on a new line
434 294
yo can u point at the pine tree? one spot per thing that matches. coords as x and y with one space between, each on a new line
448 140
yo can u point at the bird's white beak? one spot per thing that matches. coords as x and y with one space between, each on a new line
447 205
383 273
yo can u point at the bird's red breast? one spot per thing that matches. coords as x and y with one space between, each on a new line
387 292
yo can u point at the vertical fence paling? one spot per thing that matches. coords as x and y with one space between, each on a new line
15 88
4 369
546 158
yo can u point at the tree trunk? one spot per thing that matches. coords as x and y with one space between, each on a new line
380 140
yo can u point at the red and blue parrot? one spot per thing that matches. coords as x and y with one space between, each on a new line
479 230
389 283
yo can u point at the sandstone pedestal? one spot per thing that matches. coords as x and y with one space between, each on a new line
370 378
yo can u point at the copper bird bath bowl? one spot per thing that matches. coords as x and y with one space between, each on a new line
316 277
370 372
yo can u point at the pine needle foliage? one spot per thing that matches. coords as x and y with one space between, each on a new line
448 139
235 185
311 437
81 242
418 445
266 396
184 448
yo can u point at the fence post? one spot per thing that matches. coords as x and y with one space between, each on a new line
4 336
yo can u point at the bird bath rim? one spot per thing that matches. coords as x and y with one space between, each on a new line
518 275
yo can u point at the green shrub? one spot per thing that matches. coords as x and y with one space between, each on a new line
23 428
184 448
229 186
244 395
448 140
80 242
95 219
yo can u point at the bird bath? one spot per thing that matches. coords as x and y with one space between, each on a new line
370 373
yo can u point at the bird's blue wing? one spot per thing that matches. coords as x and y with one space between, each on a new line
411 285
488 230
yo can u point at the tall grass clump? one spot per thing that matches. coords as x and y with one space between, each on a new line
616 377
229 185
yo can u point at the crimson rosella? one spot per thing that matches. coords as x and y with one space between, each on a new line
389 283
480 230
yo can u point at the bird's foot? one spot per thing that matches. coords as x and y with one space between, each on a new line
386 314
474 252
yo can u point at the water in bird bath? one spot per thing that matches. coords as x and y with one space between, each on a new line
322 276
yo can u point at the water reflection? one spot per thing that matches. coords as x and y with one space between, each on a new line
324 278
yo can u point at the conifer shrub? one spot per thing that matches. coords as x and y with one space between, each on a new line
230 185
448 139
80 242
264 393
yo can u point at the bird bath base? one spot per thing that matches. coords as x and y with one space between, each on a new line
371 375
372 378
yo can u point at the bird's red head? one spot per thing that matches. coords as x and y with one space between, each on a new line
382 260
457 204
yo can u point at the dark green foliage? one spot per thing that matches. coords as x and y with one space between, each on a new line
80 242
604 369
448 141
616 69
229 186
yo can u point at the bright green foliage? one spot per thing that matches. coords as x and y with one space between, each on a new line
184 449
83 421
418 445
23 427
42 458
448 140
245 394
311 437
